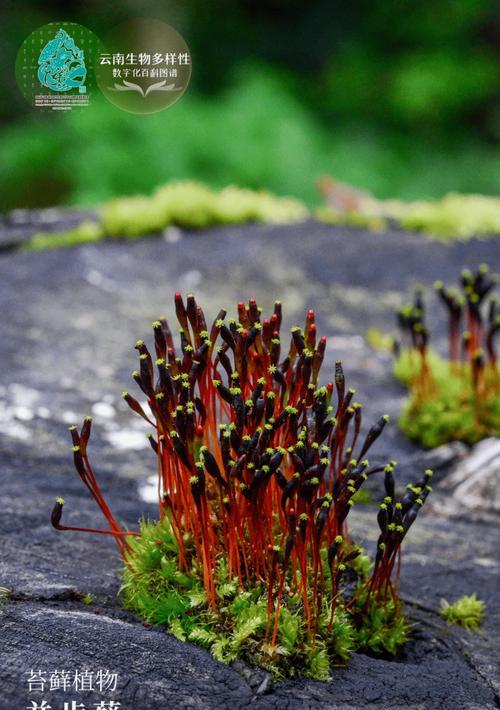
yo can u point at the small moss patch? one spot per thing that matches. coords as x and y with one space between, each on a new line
453 217
457 398
85 232
450 408
468 611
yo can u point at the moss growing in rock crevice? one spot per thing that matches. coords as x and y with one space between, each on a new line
84 233
155 588
195 206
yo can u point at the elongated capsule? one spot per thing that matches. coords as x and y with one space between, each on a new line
75 436
153 443
373 434
85 434
160 341
333 549
383 517
134 405
167 332
212 466
298 340
181 313
339 380
277 314
56 515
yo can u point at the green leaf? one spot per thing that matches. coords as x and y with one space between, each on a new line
176 629
197 597
289 626
203 637
228 589
319 664
222 651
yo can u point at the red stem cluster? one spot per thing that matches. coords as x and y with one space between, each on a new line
473 346
257 462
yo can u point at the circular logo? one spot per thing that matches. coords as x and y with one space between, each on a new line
55 66
144 66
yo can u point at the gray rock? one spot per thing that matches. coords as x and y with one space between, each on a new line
474 483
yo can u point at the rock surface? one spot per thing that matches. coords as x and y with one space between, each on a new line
73 316
474 483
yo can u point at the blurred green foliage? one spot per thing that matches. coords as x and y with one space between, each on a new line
396 97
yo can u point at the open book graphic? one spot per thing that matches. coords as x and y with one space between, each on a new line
159 86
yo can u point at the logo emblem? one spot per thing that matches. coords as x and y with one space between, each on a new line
62 64
145 66
55 67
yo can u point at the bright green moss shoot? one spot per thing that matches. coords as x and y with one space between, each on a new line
468 611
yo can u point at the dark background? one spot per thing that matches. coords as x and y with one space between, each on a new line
398 97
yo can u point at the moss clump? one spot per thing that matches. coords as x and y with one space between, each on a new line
455 216
468 611
192 205
383 629
378 340
195 206
87 231
450 409
457 398
186 204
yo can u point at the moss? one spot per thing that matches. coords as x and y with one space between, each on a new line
383 629
154 587
88 599
252 557
450 410
378 340
455 216
87 231
192 205
195 206
359 220
186 204
468 611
